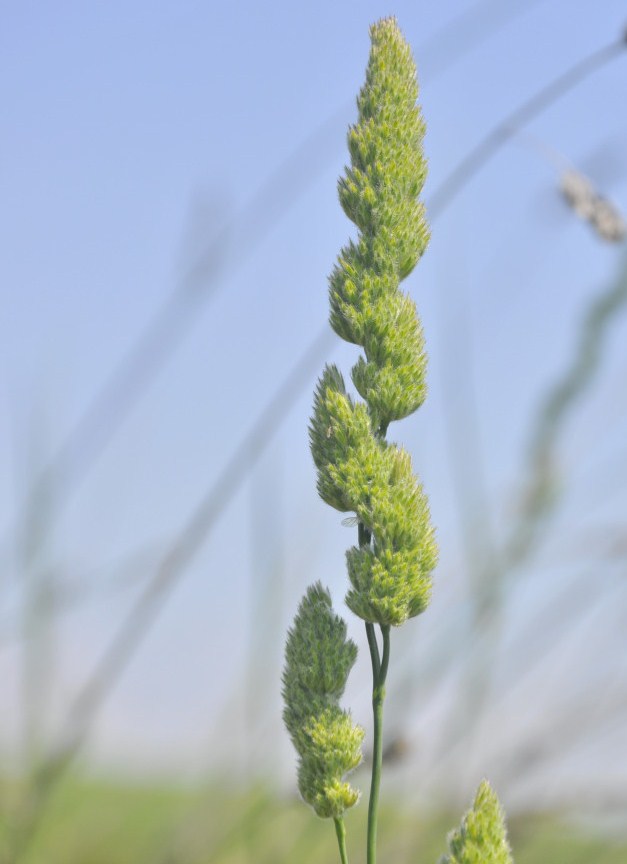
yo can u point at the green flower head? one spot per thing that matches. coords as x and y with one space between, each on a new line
318 659
379 193
358 470
481 837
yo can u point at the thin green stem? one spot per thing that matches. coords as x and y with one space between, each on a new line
378 695
364 537
374 650
340 830
385 662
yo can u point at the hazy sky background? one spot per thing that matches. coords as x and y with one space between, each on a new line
132 133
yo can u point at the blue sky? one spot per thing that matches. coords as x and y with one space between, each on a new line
131 134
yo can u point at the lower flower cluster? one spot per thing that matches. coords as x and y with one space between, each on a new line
318 658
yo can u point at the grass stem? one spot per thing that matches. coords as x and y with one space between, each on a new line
379 674
340 830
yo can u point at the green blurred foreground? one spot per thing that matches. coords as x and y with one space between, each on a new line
91 822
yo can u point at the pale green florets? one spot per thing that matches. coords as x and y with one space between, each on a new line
390 578
361 472
379 193
482 837
392 378
318 658
332 750
357 469
341 441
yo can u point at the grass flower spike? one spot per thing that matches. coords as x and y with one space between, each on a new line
359 471
481 838
379 193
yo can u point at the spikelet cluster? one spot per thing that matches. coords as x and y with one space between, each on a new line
318 658
481 837
357 469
